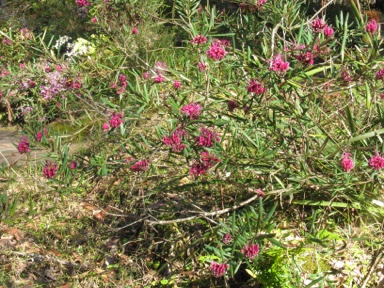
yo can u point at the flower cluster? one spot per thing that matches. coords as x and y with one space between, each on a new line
377 161
122 83
218 270
216 51
39 134
176 84
318 25
192 110
135 31
227 238
50 169
23 146
207 137
140 166
251 251
202 66
116 120
200 167
371 26
175 140
256 87
199 40
306 58
380 75
278 64
83 3
54 84
232 105
347 162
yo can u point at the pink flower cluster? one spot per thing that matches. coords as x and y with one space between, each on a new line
116 119
175 140
216 51
50 169
39 134
278 64
201 166
202 66
377 161
227 238
207 137
54 84
218 270
371 26
318 25
328 31
232 105
380 75
251 251
306 58
135 31
159 68
192 110
26 33
199 40
23 146
176 84
122 82
83 3
256 87
140 166
347 162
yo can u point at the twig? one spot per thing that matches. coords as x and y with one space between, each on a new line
211 214
374 262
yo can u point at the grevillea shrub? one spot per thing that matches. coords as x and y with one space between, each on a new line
265 98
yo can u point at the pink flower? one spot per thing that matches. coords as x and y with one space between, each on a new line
227 238
175 140
328 31
251 251
306 58
115 120
232 105
159 78
135 31
202 66
377 161
199 40
22 65
218 270
208 159
200 167
73 165
207 137
23 146
256 87
381 96
105 127
346 77
371 26
318 25
176 84
146 75
278 64
347 162
7 41
94 20
83 3
50 169
39 136
192 110
140 166
216 51
380 75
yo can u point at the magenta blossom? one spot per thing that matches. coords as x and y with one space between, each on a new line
192 110
232 105
146 75
377 161
159 78
50 169
83 3
207 137
176 84
201 166
115 120
328 31
251 251
306 58
318 25
105 127
347 162
216 51
218 270
23 146
73 165
380 75
202 66
256 87
39 136
135 31
278 64
227 238
175 140
140 166
371 26
199 40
